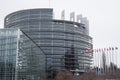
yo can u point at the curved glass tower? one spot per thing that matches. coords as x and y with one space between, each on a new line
62 41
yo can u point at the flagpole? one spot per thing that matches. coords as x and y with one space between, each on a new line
83 62
108 55
98 62
113 58
94 57
110 60
105 61
101 61
116 55
97 59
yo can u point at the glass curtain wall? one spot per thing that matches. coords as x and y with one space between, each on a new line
8 53
20 57
31 61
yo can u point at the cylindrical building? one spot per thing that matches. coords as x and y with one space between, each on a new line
59 39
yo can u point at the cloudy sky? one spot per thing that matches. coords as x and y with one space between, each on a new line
103 15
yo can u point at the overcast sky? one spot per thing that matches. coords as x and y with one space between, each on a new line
103 15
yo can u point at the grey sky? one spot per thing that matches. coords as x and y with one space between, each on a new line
103 16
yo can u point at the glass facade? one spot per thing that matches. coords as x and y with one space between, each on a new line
8 53
18 60
55 37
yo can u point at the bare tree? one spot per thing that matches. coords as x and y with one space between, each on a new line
64 75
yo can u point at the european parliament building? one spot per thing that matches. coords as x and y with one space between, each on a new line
43 45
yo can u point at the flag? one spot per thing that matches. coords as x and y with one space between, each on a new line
94 50
109 48
99 50
90 50
116 48
86 51
104 49
112 48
